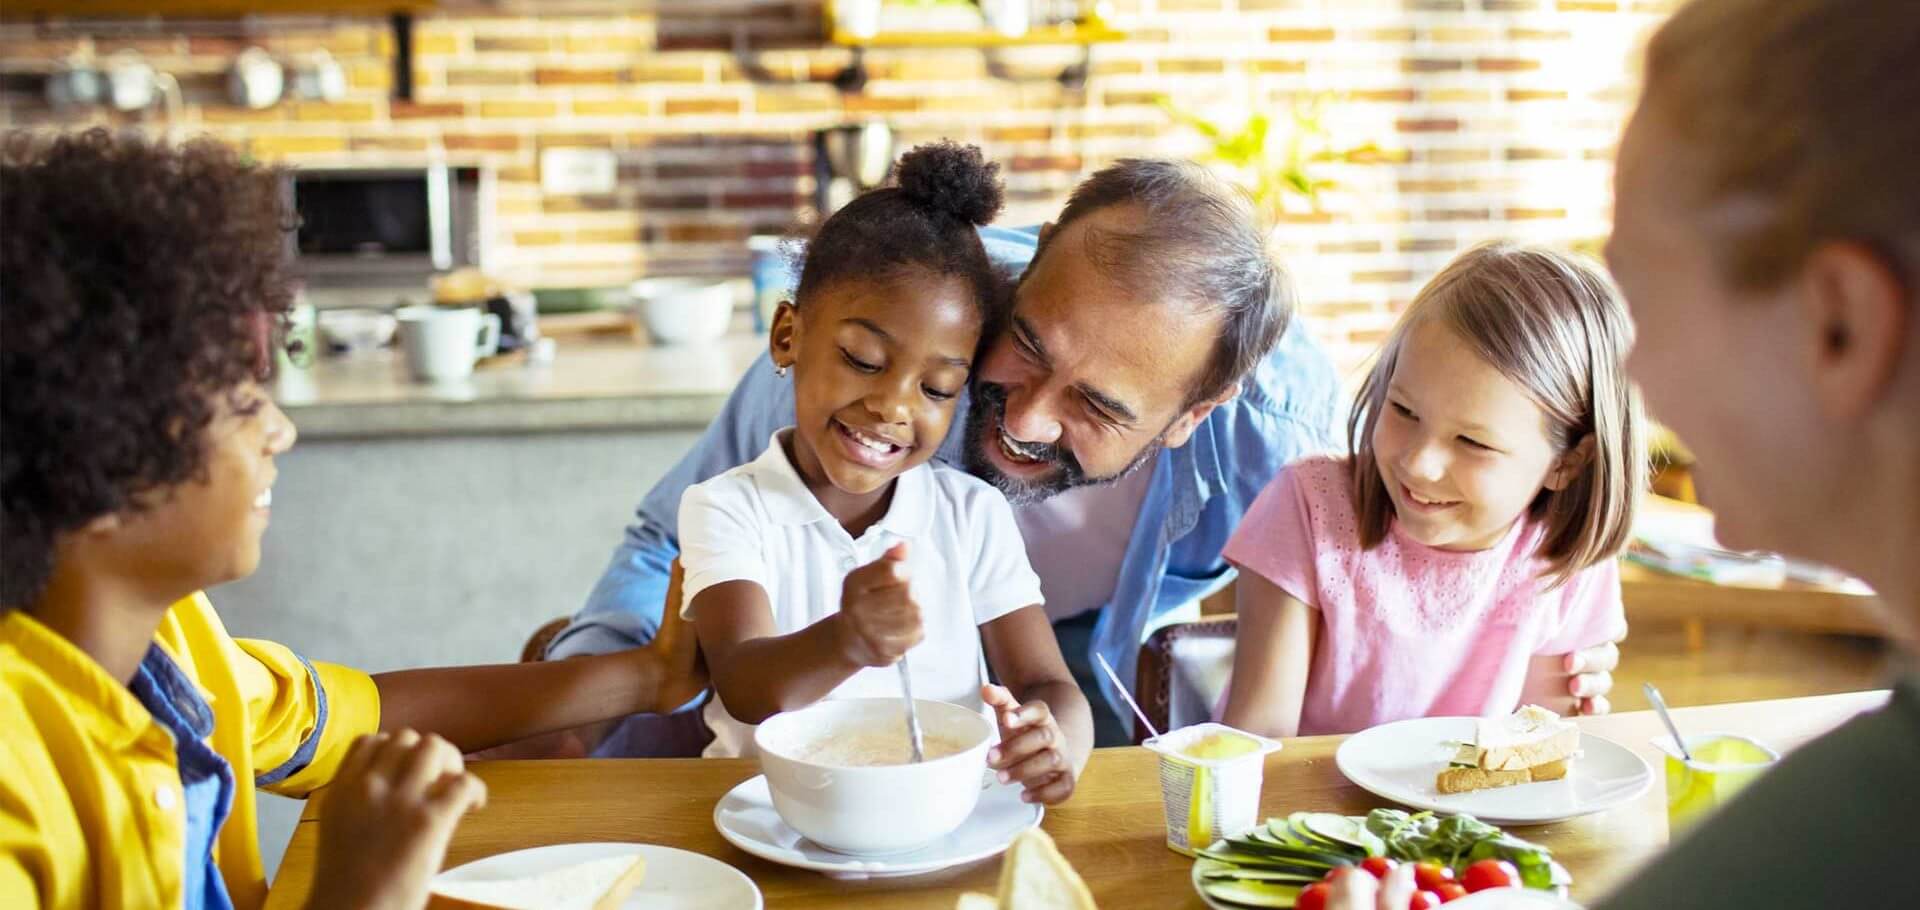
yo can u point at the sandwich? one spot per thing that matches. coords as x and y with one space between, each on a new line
1530 745
599 884
1034 876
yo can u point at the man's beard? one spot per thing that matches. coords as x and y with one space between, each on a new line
984 428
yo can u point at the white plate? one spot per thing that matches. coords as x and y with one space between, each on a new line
746 818
1490 899
675 879
1398 761
1513 899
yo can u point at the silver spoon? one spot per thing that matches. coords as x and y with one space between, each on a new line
1660 707
914 736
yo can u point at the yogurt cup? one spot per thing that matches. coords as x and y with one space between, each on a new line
1210 778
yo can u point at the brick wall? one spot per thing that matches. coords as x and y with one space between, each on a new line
1489 118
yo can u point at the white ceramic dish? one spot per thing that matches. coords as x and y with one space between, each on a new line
683 310
873 810
356 329
1398 761
675 879
746 818
1490 899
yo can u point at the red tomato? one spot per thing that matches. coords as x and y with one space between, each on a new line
1313 897
1450 892
1490 873
1423 900
1379 866
1430 876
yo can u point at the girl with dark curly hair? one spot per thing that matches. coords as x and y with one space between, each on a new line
813 570
142 287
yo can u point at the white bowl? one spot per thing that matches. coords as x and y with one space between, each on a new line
357 330
873 810
683 310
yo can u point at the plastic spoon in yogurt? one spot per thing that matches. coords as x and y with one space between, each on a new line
1127 695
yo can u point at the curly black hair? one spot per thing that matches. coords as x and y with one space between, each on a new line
926 221
139 281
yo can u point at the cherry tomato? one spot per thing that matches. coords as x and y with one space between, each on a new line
1490 873
1379 866
1313 897
1450 892
1430 876
1423 900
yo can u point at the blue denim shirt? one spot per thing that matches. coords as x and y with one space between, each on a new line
206 779
1198 492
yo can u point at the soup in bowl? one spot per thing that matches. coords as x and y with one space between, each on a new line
841 772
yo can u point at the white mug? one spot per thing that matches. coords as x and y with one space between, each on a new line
442 343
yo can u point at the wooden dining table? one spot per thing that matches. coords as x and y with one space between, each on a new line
1112 829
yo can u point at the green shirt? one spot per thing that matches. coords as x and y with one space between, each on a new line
1833 826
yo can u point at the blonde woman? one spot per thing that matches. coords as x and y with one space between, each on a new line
1767 237
1496 450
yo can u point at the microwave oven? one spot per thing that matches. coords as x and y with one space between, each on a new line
384 226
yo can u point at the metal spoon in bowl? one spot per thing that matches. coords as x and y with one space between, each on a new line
914 736
1660 707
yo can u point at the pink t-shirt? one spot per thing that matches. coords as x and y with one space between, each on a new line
1408 630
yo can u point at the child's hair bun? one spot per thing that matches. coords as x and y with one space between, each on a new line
956 179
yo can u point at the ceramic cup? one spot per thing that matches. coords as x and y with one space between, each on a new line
443 343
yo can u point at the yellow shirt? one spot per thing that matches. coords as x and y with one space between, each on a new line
91 810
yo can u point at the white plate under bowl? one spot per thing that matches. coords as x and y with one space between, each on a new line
675 879
746 818
1398 761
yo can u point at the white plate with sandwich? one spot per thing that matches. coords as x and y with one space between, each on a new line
1529 768
605 876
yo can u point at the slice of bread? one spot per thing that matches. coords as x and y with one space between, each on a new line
1530 736
1455 779
1034 876
974 900
599 884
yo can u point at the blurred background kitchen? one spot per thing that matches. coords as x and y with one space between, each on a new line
539 239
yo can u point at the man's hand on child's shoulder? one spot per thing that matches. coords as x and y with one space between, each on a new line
386 820
1032 749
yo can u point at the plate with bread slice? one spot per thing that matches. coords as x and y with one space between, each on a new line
1531 767
603 876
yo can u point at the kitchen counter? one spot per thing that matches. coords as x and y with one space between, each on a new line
589 385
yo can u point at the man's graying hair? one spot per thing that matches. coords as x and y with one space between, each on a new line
1199 241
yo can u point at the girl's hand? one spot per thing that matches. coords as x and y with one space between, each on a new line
387 818
1575 683
1361 891
878 620
1032 750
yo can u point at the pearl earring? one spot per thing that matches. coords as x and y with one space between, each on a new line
780 371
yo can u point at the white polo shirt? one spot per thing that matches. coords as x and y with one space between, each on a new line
967 567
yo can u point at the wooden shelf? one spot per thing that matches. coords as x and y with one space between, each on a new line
206 9
1083 34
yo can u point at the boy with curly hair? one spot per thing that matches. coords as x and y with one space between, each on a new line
142 290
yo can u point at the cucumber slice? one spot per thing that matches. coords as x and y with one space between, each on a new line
1221 872
1350 833
1253 894
1287 853
1266 863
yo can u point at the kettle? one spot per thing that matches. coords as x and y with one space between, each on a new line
849 160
